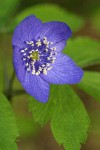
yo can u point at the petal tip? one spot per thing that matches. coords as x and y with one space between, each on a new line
80 75
43 100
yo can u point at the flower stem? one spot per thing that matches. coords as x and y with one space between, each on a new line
9 90
5 73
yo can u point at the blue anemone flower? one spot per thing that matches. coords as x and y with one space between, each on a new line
38 59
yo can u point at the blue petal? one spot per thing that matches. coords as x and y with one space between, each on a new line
55 31
36 87
26 30
59 46
64 71
18 66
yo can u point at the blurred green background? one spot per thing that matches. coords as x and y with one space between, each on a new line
84 19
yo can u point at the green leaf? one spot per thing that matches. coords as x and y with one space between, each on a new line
6 9
42 112
49 12
70 120
8 128
95 20
91 84
84 51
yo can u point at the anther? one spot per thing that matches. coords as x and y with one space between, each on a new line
22 51
47 64
48 58
49 68
53 61
28 57
38 43
26 64
40 69
24 58
30 52
45 38
33 72
31 42
43 65
24 54
51 42
53 49
28 69
26 49
37 73
44 71
46 50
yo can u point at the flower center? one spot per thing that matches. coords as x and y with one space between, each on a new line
38 56
35 55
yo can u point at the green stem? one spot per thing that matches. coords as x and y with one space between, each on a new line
5 74
9 90
18 92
